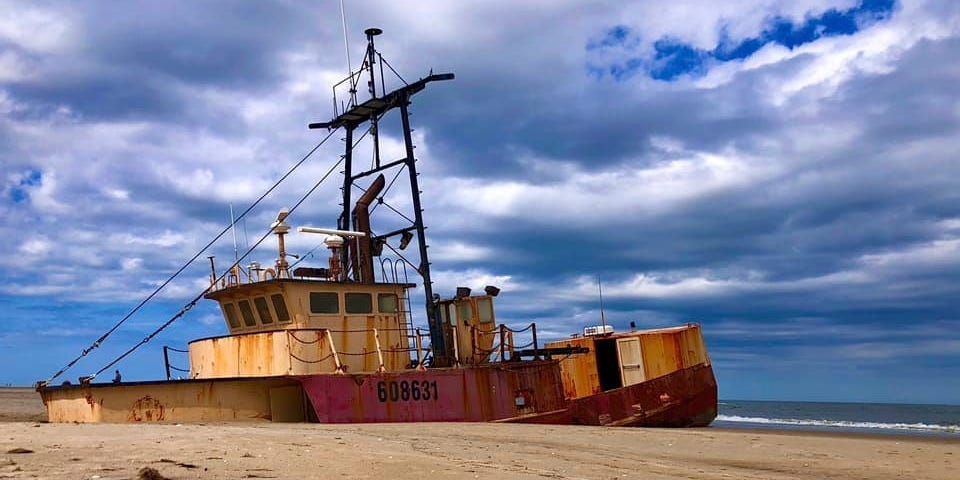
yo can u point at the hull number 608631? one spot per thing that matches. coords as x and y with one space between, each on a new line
405 391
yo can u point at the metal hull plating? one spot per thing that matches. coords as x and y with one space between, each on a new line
685 398
236 399
529 393
471 394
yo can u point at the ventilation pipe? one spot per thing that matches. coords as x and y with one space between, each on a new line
360 256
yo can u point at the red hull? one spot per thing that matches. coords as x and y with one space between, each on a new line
473 394
530 392
685 398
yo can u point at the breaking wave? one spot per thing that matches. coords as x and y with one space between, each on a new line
912 427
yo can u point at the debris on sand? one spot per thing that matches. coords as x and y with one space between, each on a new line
179 464
8 466
19 450
148 473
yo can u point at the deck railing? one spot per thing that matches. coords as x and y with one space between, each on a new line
503 349
166 361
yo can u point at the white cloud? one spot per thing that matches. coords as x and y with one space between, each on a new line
36 247
130 264
163 240
45 196
211 319
445 281
37 29
12 68
599 197
830 61
460 252
937 254
897 350
117 193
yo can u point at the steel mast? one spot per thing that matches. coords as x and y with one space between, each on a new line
371 111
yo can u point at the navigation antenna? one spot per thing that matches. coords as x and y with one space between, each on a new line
357 256
372 84
603 319
346 48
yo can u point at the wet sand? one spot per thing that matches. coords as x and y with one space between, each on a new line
448 450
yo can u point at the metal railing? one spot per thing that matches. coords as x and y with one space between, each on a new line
503 349
166 361
505 342
378 350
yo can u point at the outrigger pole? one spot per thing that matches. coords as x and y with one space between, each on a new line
371 111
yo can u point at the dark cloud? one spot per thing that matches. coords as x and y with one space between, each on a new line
215 45
124 96
143 61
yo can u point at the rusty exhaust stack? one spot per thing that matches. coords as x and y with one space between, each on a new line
360 257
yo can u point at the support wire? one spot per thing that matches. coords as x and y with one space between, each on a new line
96 344
196 299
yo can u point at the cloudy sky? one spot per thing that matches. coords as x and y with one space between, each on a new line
784 173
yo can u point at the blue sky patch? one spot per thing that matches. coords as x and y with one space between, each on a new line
618 36
673 58
31 178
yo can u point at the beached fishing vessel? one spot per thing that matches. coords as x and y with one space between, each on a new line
338 343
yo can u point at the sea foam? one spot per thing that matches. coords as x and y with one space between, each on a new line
915 427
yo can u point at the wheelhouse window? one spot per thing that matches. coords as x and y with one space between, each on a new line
465 311
324 302
358 303
387 302
263 310
485 310
280 307
247 313
453 314
231 313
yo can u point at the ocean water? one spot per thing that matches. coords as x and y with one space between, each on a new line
901 419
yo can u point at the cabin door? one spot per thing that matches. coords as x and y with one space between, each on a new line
631 361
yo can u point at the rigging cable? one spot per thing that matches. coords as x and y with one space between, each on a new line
196 299
384 61
96 344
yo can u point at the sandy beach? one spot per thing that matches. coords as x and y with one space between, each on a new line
415 451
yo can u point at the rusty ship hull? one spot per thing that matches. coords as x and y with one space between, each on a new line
686 398
527 393
660 378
